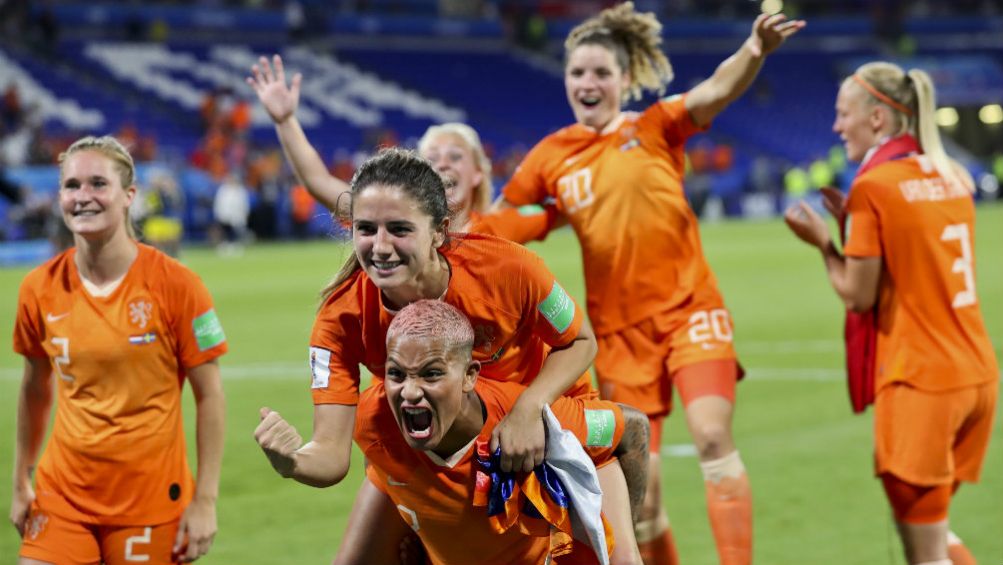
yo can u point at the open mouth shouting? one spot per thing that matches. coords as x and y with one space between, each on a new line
417 422
589 101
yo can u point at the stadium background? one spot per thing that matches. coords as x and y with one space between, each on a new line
168 77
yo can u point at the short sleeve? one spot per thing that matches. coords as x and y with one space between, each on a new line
598 424
528 184
27 330
196 324
674 119
336 351
556 317
863 228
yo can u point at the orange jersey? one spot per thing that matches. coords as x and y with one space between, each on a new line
531 222
435 496
117 450
517 308
930 330
623 194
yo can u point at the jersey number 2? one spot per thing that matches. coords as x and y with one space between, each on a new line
962 264
63 358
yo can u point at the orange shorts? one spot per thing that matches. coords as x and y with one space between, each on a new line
636 365
926 438
53 538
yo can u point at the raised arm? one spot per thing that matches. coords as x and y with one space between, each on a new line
281 101
855 279
198 522
321 462
734 75
33 405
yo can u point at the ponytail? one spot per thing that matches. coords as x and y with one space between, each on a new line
928 134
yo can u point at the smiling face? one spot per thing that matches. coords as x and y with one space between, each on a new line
427 382
453 158
594 84
393 238
858 123
91 196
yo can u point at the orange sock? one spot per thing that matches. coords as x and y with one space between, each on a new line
957 551
729 506
660 549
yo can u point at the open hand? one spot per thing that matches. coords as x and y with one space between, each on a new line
769 32
279 99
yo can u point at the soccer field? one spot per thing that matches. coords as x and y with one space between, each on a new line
809 458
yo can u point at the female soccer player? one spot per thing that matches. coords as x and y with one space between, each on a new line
443 414
659 317
120 325
454 149
909 257
527 329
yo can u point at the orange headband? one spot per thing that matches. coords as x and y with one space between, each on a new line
882 97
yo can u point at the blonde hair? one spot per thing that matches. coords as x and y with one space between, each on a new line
634 39
121 160
912 91
433 319
483 191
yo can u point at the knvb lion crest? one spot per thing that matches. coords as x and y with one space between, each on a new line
140 313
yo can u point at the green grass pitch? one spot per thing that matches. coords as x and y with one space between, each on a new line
809 459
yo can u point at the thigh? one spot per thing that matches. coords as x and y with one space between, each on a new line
700 334
375 530
50 538
915 432
630 368
124 545
972 439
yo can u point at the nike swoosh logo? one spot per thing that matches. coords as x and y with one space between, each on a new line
52 318
393 483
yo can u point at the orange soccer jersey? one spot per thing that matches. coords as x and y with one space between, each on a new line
522 224
930 332
435 496
622 192
516 306
116 455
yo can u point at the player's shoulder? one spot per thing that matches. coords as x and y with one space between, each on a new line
498 396
57 269
348 297
162 273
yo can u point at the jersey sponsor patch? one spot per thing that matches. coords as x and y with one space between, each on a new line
208 330
143 339
600 425
558 308
530 210
320 367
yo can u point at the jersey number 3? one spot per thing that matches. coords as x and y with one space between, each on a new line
962 264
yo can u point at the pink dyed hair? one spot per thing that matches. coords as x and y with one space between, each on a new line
433 319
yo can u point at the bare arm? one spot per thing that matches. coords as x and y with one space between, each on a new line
633 455
198 523
734 75
34 403
324 460
521 434
281 102
854 279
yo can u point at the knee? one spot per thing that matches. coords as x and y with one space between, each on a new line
713 440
